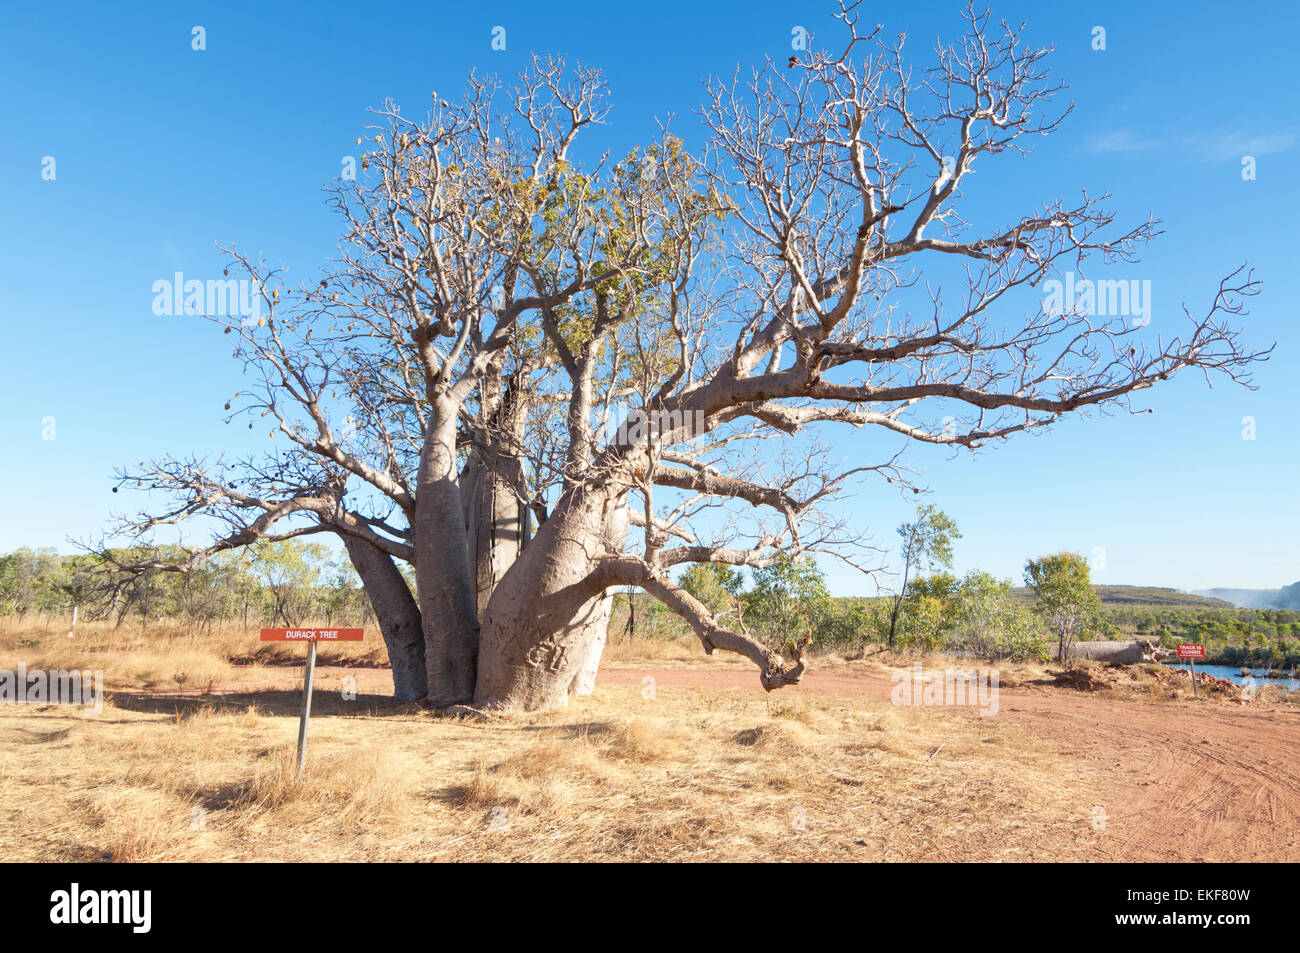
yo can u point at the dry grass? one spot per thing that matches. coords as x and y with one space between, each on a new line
690 774
166 655
658 650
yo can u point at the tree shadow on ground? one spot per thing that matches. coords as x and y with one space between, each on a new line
268 702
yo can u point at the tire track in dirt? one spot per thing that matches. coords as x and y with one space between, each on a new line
1223 781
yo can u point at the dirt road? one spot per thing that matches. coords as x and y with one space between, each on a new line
1182 781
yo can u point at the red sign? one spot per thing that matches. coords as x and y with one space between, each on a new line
313 635
1188 650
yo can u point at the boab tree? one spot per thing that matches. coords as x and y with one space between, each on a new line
610 351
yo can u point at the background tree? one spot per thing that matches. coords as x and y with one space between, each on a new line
922 622
989 623
26 580
294 575
1064 597
789 603
927 543
717 585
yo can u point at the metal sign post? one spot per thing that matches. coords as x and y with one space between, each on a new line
1192 651
311 637
306 706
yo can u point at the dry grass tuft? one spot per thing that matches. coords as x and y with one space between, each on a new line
539 777
776 736
137 823
491 786
648 740
361 785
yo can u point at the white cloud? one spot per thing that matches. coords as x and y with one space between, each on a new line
1234 145
1121 140
1208 146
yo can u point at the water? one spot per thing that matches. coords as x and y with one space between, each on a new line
1233 674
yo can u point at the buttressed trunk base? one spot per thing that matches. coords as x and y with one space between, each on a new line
546 623
398 616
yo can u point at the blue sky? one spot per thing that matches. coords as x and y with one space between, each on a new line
161 151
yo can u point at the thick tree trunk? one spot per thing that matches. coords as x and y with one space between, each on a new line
584 683
443 574
493 487
547 619
398 616
496 522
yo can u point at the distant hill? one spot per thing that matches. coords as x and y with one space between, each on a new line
1147 596
1288 597
1153 596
